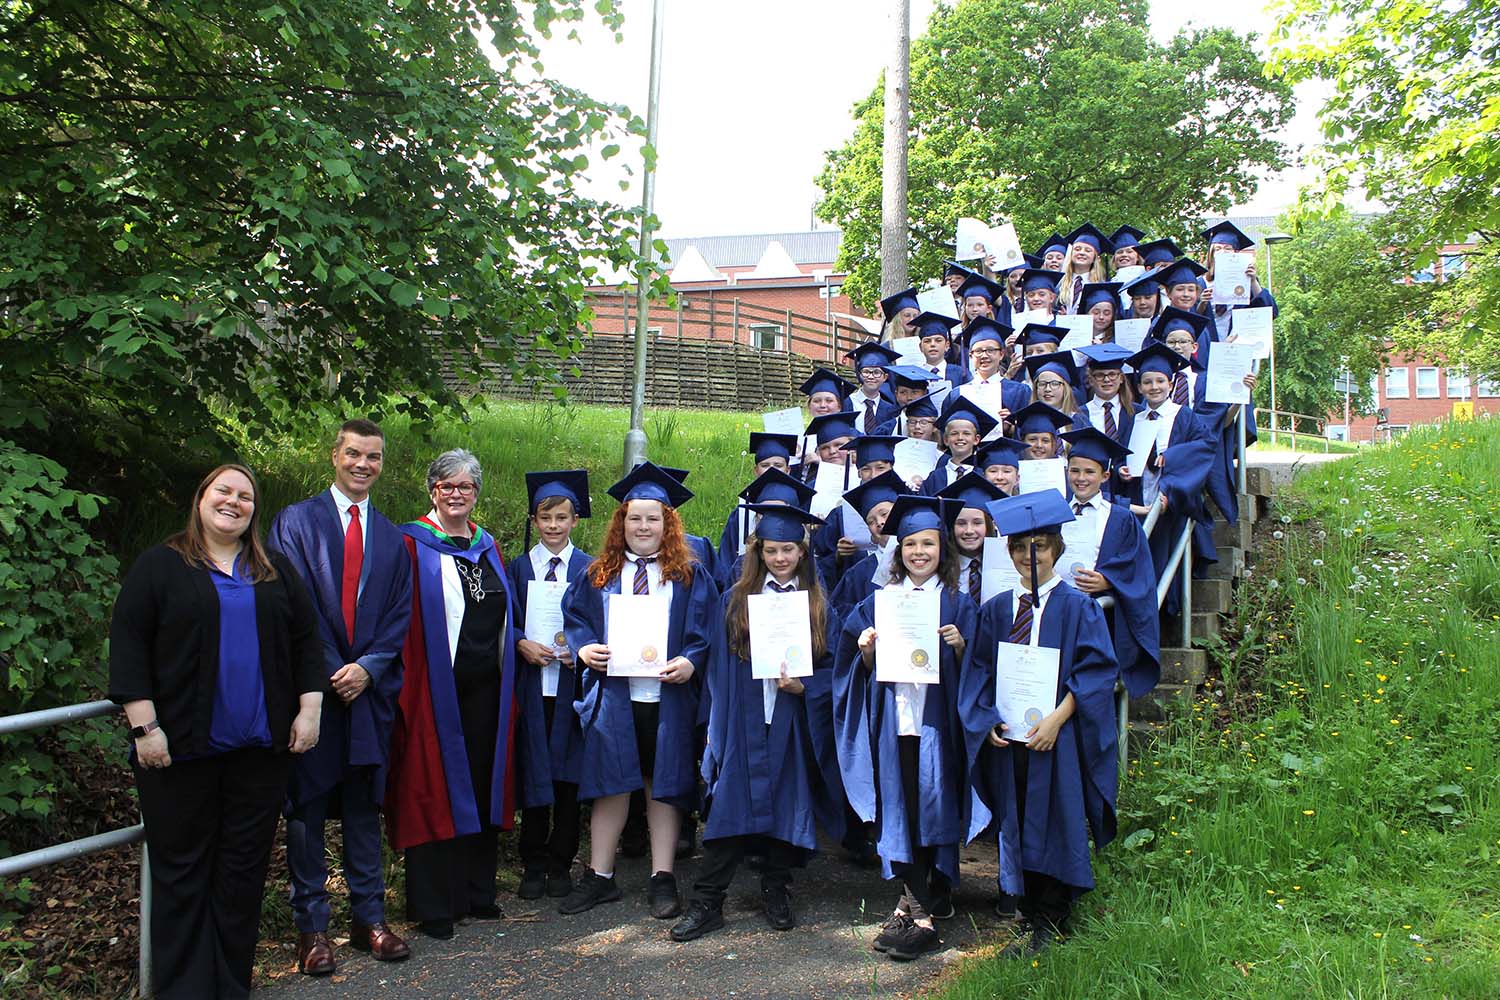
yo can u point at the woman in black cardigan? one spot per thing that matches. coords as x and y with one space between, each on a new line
215 657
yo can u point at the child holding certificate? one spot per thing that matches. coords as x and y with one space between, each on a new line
1037 426
896 720
637 730
770 773
547 738
970 528
1038 695
873 500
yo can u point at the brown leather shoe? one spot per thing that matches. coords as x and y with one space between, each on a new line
315 954
380 941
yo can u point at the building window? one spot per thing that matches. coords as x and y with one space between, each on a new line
1453 265
1396 386
1489 388
1427 383
1458 384
767 337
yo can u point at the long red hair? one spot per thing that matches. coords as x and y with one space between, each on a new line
674 559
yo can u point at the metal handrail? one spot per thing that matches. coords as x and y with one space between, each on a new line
19 864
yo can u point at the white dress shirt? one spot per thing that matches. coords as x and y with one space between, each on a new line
540 557
646 689
1096 512
971 564
768 687
1096 412
1043 592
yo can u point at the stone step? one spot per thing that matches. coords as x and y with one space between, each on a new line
1153 707
1205 625
1236 535
1258 480
1231 564
1213 595
1183 666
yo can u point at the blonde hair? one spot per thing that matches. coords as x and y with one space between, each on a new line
1096 275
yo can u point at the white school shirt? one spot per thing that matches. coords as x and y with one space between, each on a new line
1151 478
1096 511
911 699
1043 593
540 557
1095 408
645 689
343 504
976 563
768 687
858 400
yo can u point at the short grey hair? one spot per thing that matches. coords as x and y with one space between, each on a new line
450 462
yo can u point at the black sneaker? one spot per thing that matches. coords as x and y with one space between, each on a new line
777 900
914 941
592 890
1005 908
485 911
441 930
942 908
533 884
559 886
698 920
662 896
891 930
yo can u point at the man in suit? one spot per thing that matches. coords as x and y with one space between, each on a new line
355 566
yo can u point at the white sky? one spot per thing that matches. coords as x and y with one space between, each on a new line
753 95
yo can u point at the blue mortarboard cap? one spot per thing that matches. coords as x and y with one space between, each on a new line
823 380
1228 232
870 494
963 408
1029 513
775 485
981 287
1146 285
922 406
832 426
651 482
1000 451
914 512
1181 272
1104 355
869 448
764 445
1056 243
893 304
1041 333
1100 291
1171 318
1039 418
951 267
1162 251
983 328
1032 260
971 490
931 324
1092 443
910 376
782 523
1036 278
1158 357
872 354
1089 234
571 483
1059 363
1126 236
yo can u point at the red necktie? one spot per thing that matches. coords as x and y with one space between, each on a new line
1110 427
354 561
1179 388
1020 632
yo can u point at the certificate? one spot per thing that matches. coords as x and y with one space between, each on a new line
544 624
1040 317
910 349
1131 333
1080 327
987 396
1037 474
906 635
937 300
780 635
1025 687
1080 547
829 485
915 458
884 560
636 633
1228 364
998 570
787 421
1142 440
1125 276
1231 283
969 239
1002 248
855 528
1251 327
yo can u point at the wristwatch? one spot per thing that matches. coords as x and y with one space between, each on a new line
136 732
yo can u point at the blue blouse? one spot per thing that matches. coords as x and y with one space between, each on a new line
239 713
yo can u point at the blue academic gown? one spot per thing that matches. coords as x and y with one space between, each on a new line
865 727
1223 484
855 585
1189 459
780 780
1125 561
609 762
1070 790
354 737
884 410
942 474
543 756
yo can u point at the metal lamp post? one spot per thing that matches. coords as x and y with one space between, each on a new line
1271 240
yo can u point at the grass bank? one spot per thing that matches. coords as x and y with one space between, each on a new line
1325 824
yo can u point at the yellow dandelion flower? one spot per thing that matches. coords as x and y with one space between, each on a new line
1309 812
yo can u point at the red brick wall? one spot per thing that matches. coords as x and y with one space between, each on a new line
1412 411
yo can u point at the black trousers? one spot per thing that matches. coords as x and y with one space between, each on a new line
209 827
447 879
1045 898
722 857
549 834
922 881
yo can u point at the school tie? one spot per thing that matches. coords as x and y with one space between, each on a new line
976 582
782 590
552 565
1154 415
1179 388
1020 630
959 471
869 416
1077 291
1110 427
935 371
642 582
354 561
1078 509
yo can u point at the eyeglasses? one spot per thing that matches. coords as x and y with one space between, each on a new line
1108 375
1049 384
984 352
448 489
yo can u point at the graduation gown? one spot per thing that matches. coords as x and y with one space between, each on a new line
1223 484
884 410
1189 458
430 793
355 736
1070 790
1125 560
866 729
609 762
855 585
544 757
942 474
780 780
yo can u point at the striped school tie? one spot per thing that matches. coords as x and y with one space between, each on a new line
1110 427
1020 631
870 416
552 565
1179 388
1077 292
642 581
782 589
1078 509
976 581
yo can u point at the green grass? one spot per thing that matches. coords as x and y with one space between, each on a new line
1324 825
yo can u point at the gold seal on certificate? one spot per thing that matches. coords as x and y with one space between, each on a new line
560 639
649 654
793 655
1033 716
1240 290
919 658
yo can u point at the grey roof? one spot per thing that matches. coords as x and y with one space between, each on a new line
820 246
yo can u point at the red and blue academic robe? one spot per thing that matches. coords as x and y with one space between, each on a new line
542 756
780 780
355 739
609 762
430 792
1070 789
1189 457
1125 561
866 731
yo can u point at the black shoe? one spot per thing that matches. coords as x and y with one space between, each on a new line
777 900
592 890
662 896
891 931
559 886
442 930
861 854
698 920
488 911
914 941
533 884
1005 908
942 908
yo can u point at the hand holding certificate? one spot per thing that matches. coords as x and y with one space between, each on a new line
1025 687
1228 364
780 635
636 630
907 644
1231 278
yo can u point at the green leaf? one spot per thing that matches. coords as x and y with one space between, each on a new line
1140 838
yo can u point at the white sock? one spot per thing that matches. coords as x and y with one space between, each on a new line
605 874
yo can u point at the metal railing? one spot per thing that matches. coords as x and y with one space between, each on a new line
1285 422
20 864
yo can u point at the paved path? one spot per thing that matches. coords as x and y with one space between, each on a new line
617 950
1284 466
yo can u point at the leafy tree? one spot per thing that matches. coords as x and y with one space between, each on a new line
1056 113
1414 123
260 209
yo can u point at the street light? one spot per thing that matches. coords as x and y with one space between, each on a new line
1271 240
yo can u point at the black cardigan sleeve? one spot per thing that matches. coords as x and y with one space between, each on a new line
132 627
